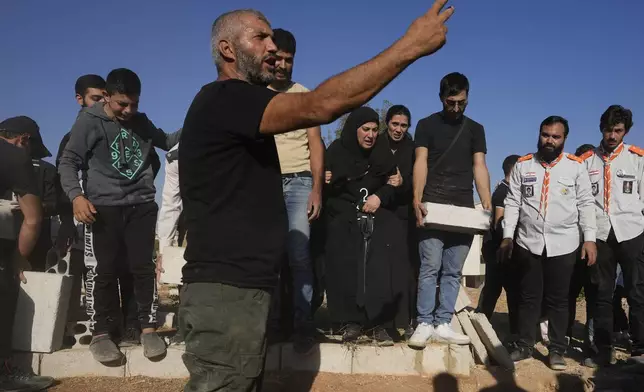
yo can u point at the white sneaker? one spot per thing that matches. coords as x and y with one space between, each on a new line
421 335
445 333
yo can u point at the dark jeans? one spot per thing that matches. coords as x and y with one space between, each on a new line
583 276
9 289
548 279
497 277
224 328
620 320
629 255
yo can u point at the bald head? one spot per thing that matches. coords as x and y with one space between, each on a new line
228 27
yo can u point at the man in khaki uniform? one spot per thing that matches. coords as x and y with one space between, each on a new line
616 173
301 155
550 198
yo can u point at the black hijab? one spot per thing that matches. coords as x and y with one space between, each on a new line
348 161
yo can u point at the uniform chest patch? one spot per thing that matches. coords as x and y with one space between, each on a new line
628 187
527 190
595 186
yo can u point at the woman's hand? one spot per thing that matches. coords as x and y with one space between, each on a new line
371 205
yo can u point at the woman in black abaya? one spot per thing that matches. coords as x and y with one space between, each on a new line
361 254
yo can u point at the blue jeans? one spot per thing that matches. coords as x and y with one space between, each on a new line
444 252
296 196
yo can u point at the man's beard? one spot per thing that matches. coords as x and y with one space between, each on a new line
548 155
251 68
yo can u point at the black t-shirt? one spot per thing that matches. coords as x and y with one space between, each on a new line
16 173
498 201
231 186
452 182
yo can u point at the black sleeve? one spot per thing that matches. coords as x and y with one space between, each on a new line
20 172
498 197
50 189
422 135
478 140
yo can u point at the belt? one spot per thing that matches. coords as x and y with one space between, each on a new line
305 173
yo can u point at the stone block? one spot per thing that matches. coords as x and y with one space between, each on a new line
457 219
80 333
480 352
171 366
488 336
472 265
396 360
77 363
460 359
462 300
325 357
41 314
173 262
435 359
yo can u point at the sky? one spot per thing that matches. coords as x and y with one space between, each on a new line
525 60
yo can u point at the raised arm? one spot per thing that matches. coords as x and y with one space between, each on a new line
358 85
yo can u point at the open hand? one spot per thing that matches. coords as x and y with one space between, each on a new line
427 34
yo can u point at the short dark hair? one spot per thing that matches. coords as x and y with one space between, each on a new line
123 81
552 120
284 40
86 82
398 110
616 114
454 83
584 148
509 162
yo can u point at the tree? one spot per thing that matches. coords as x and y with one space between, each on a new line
382 114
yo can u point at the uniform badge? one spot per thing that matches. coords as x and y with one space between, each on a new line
620 173
628 187
528 190
527 180
595 188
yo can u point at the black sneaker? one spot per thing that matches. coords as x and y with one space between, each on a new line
352 333
131 337
104 350
153 345
381 337
557 361
409 332
13 379
520 353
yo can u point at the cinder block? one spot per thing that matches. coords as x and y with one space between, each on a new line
488 336
27 361
462 300
274 357
480 352
396 360
325 357
472 265
435 359
173 262
41 314
460 359
76 363
81 334
457 219
171 366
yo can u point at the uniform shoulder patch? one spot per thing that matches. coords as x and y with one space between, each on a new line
586 155
525 158
636 150
575 158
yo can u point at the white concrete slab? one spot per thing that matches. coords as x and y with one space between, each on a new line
480 352
41 314
396 360
491 341
173 262
76 363
325 357
472 265
462 300
458 219
169 367
435 359
460 360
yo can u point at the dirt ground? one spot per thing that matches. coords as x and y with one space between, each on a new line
532 375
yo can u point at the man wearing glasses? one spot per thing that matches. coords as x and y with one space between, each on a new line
450 155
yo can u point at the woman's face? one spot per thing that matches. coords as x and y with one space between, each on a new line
367 134
397 127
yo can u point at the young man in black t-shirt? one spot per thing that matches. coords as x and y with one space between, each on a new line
17 176
495 273
231 186
450 155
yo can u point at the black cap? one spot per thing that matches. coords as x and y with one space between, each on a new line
26 125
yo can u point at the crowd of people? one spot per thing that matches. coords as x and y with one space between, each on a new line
275 220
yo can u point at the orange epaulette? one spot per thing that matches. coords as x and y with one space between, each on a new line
586 155
575 158
525 158
636 150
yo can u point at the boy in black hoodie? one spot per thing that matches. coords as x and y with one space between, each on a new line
114 142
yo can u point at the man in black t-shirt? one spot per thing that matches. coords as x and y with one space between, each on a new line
17 176
496 274
231 186
450 155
